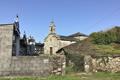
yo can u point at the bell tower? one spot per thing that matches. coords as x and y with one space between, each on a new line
52 27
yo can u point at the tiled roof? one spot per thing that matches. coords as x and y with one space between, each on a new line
78 48
39 44
77 34
66 38
71 37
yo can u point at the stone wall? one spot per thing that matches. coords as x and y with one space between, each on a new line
31 65
58 64
88 63
6 34
43 65
106 63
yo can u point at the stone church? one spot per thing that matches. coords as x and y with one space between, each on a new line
53 42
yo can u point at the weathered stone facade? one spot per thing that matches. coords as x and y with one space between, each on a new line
37 65
6 34
51 42
43 65
30 65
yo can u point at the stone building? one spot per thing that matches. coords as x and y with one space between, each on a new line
5 37
9 43
53 42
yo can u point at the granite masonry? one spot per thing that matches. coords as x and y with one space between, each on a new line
102 64
6 34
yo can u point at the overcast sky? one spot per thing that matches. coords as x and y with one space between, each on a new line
70 16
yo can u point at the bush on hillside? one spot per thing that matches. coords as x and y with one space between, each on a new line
106 37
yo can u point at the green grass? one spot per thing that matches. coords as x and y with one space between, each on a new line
73 76
107 49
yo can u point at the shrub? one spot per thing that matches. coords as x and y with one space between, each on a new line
75 62
106 37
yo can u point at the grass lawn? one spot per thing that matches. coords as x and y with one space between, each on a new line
75 76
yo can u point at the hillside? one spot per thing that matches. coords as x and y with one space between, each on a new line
112 49
106 42
106 37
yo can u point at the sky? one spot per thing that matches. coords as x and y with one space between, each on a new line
69 16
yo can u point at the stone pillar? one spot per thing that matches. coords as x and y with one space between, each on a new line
63 64
88 63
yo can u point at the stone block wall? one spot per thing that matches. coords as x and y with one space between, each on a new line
6 34
43 65
106 63
31 65
58 64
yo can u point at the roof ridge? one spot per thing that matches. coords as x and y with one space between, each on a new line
77 34
7 24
